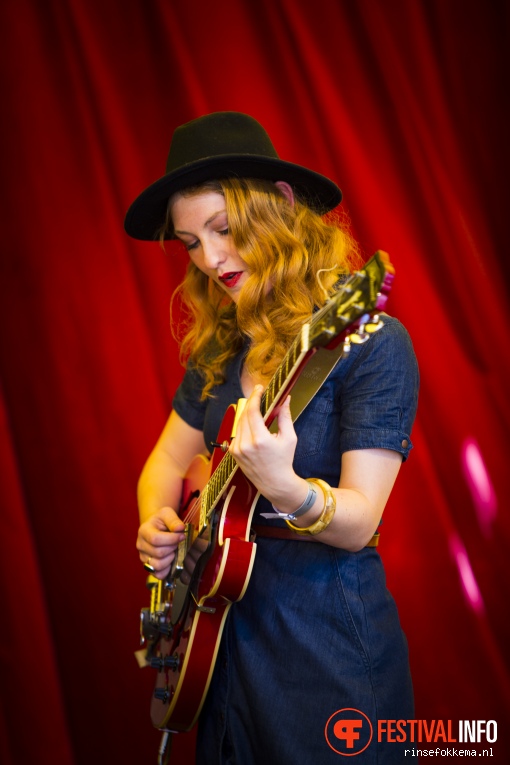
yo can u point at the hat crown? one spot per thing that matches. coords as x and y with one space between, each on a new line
218 135
223 145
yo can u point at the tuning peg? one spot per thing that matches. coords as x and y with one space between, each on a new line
360 336
374 325
164 662
161 694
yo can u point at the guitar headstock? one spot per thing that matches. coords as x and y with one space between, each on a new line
363 292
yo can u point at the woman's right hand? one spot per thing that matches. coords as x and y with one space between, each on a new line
158 539
159 491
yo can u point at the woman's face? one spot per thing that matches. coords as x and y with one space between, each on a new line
200 222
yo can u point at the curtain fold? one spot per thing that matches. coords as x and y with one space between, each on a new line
27 647
404 104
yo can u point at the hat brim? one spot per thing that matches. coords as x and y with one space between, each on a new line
146 215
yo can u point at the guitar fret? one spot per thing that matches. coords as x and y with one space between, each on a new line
287 366
217 482
271 389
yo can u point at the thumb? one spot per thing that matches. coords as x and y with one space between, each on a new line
170 520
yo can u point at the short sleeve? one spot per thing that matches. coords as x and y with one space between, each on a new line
379 395
186 401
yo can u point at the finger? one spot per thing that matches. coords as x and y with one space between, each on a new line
158 567
155 560
160 540
285 424
251 430
163 528
253 415
158 543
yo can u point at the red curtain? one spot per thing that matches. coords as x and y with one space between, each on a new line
405 104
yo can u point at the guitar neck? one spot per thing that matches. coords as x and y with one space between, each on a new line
286 374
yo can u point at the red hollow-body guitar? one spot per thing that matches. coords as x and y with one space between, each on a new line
182 628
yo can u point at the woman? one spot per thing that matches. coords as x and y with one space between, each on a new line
316 632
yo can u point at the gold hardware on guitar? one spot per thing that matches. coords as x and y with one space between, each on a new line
223 446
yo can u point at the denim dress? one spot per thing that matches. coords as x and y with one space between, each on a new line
314 655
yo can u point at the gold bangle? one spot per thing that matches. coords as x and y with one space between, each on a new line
326 515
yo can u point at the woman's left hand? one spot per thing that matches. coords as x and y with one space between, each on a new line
367 476
266 458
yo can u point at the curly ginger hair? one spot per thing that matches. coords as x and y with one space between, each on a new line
284 246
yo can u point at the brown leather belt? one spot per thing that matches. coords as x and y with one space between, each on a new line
276 532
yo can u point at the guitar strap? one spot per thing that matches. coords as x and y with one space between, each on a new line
318 368
311 379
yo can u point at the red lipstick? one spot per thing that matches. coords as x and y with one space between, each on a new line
231 278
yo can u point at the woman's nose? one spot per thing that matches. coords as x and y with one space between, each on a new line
214 255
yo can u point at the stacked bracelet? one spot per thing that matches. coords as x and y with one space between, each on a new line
325 517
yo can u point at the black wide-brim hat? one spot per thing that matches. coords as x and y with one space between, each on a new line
223 145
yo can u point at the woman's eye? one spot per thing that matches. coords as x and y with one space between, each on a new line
223 232
191 246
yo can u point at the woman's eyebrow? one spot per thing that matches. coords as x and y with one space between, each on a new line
207 223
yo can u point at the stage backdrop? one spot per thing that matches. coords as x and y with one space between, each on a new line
405 104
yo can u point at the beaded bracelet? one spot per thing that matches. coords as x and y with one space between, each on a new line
325 517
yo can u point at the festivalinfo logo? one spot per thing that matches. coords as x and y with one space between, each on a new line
349 732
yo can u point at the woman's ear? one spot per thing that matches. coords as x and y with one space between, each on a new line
286 190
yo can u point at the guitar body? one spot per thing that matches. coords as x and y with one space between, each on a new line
192 607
